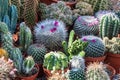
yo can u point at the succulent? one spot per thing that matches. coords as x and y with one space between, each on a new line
3 53
37 51
58 11
76 74
86 25
3 28
30 14
95 48
55 61
95 71
51 33
5 68
77 62
25 37
109 26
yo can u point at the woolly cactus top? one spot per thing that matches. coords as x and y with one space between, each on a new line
88 20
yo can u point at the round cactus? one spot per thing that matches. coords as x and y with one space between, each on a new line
86 25
37 51
95 48
96 71
51 33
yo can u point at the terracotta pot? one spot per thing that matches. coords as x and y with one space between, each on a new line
71 4
89 60
114 61
33 77
112 70
48 2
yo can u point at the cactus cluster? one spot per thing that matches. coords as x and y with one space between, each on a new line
55 61
86 25
25 36
109 26
51 33
95 48
95 71
58 11
37 51
30 13
112 45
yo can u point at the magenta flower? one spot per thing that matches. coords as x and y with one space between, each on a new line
56 23
53 30
42 27
84 39
79 18
94 40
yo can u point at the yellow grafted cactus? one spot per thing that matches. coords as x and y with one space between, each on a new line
3 53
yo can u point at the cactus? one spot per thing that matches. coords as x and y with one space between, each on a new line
77 62
5 68
25 37
109 26
37 51
95 71
55 61
3 53
86 25
3 28
28 64
95 48
58 11
30 15
76 74
51 33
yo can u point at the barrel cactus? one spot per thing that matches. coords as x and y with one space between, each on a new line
37 51
86 25
95 48
55 61
95 71
51 33
25 37
109 26
3 53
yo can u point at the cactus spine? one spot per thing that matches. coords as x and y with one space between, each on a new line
25 37
109 26
37 51
30 15
95 48
95 71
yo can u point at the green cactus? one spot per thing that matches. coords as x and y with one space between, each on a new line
30 14
95 47
95 71
76 74
37 51
28 65
25 37
55 61
109 26
86 25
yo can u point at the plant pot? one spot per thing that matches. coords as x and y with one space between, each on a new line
112 70
48 2
114 61
71 4
32 77
89 60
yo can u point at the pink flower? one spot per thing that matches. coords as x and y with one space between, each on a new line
56 23
94 40
42 27
53 30
79 18
84 39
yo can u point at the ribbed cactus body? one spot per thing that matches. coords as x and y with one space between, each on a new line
3 28
3 53
30 15
51 33
25 36
55 61
109 26
76 74
95 71
95 48
28 64
86 25
37 51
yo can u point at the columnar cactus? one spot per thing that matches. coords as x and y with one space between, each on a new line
109 26
86 25
51 33
3 53
25 36
37 51
30 15
55 61
95 71
95 48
